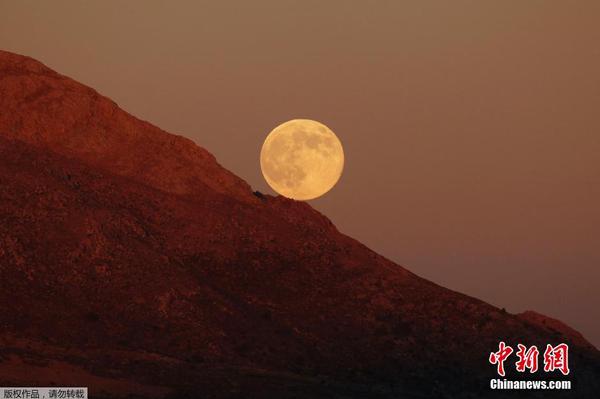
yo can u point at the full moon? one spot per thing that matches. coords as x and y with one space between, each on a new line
302 159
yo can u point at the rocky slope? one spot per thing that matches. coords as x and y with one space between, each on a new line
556 327
133 263
44 108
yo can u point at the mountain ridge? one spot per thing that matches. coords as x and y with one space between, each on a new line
73 119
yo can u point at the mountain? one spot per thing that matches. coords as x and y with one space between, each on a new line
41 107
133 263
556 327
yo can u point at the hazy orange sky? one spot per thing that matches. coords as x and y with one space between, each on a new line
471 129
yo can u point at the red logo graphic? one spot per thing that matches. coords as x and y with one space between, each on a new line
528 358
555 358
500 356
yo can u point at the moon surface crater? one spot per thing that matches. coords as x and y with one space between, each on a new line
302 159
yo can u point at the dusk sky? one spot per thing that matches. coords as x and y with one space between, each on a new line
471 129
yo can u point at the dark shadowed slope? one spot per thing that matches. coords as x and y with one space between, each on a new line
556 327
132 262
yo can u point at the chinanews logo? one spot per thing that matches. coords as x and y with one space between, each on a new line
556 359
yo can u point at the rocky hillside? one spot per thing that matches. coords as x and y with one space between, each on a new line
46 109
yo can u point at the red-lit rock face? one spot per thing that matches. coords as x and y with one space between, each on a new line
130 260
44 108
